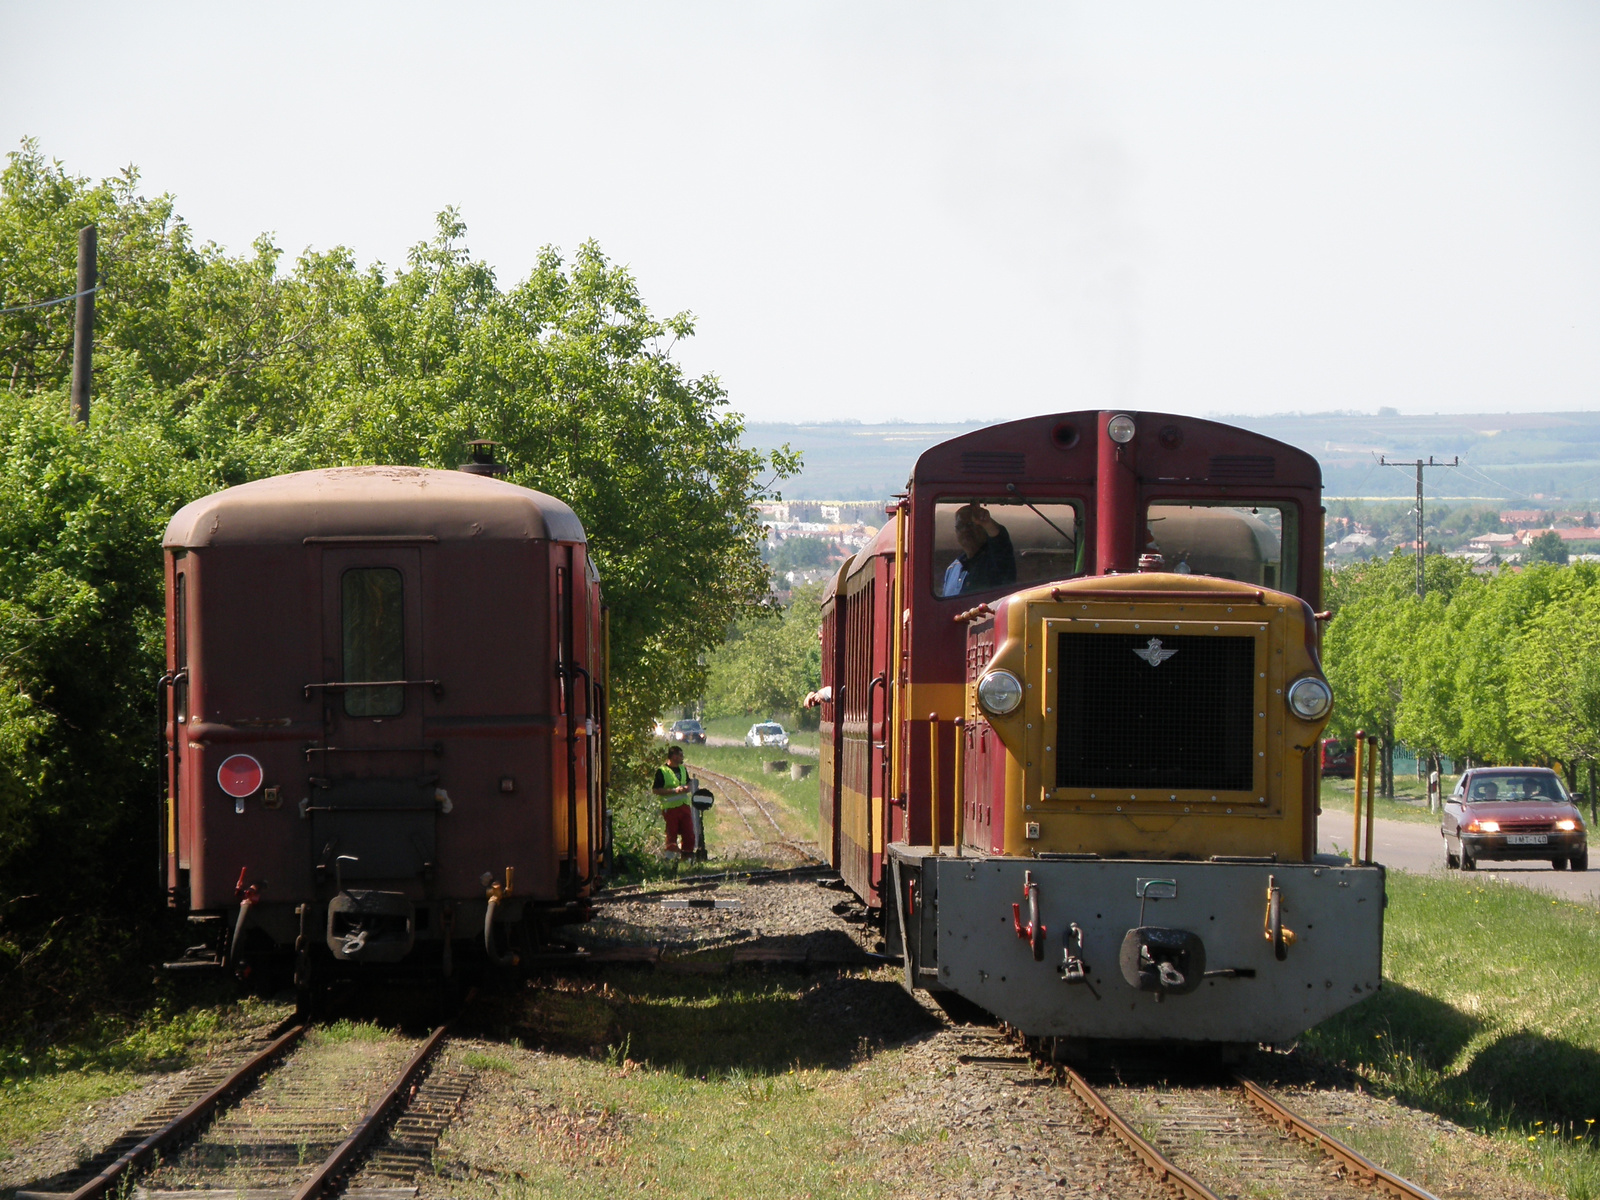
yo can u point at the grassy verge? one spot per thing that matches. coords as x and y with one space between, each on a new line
796 801
1409 804
639 831
674 1085
48 1076
1487 1017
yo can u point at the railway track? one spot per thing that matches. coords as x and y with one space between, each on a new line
290 1120
1235 1134
1208 1137
747 802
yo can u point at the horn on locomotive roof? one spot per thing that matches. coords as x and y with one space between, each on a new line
483 462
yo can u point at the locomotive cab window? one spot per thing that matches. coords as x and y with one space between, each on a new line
1253 543
374 640
982 545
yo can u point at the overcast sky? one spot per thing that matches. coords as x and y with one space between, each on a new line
918 211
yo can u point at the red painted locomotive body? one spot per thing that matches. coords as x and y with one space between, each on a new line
922 777
384 717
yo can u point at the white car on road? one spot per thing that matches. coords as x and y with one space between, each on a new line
767 733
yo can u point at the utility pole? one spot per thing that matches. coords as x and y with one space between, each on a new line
83 325
1419 465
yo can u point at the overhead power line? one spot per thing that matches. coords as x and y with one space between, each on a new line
1419 465
47 303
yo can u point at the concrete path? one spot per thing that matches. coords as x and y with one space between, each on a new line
1420 849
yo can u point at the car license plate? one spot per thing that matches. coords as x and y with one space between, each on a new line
1527 839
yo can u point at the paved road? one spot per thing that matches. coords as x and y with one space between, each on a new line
1420 848
714 740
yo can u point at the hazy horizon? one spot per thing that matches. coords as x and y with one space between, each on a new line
918 211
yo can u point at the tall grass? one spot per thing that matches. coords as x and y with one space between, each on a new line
1488 1016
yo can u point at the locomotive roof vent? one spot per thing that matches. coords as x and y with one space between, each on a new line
483 462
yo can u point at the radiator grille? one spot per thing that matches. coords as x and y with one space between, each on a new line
1185 723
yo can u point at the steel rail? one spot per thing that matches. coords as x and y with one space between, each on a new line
1368 1170
372 1124
755 799
190 1118
783 838
1165 1169
738 808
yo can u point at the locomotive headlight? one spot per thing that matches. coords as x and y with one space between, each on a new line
999 692
1121 428
1310 698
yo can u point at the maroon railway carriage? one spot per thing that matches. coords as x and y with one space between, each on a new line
1018 730
384 718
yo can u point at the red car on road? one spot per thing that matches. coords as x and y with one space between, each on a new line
1513 813
1338 760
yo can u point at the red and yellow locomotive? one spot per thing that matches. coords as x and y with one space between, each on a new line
1071 754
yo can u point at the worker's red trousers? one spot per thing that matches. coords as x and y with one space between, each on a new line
680 827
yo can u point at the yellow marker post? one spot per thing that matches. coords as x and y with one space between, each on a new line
933 780
1372 758
1355 848
961 783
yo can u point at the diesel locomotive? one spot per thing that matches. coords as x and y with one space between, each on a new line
1070 734
384 720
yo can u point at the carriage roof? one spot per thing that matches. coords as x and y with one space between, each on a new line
372 502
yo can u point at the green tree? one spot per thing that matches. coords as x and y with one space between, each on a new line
1373 648
1553 695
1548 548
769 662
800 553
212 369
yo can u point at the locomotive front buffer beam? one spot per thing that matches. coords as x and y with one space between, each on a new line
1131 950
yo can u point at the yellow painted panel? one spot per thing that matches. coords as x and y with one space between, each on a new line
1267 820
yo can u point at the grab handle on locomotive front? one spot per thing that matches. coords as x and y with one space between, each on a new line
1273 928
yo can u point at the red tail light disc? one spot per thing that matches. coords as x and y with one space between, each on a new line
240 775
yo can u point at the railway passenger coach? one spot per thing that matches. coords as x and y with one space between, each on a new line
384 718
1071 755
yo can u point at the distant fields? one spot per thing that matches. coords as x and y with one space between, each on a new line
1513 458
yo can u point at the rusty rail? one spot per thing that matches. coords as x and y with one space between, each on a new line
189 1119
1362 1166
373 1123
1165 1169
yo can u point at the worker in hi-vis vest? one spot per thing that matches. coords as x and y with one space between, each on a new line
672 788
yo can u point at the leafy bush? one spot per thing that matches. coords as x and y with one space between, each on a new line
212 369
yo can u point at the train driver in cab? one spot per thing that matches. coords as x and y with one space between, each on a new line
986 559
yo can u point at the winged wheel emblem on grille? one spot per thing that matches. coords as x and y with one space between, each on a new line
1153 653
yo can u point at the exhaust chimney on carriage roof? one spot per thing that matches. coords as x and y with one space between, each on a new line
483 462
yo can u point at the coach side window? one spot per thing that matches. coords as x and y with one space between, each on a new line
374 641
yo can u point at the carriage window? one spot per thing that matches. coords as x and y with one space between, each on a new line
1252 543
374 641
983 545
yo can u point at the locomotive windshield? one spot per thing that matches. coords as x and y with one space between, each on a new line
981 545
1253 544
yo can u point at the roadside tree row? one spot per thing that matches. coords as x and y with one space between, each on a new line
1501 668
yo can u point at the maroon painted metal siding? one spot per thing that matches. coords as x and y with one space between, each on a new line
483 707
